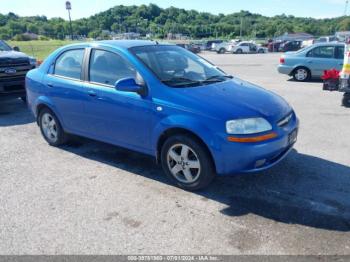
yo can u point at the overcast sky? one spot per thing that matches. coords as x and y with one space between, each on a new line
85 8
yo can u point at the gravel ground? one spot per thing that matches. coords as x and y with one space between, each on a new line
93 198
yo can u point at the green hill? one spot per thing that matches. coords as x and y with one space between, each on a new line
158 21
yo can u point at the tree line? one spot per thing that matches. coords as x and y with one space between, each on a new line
159 22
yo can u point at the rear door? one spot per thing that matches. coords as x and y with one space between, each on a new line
65 88
321 58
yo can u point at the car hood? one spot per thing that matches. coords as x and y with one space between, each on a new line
233 99
12 54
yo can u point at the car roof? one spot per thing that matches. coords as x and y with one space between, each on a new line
329 43
121 44
128 43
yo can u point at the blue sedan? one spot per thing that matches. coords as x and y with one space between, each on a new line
164 101
311 61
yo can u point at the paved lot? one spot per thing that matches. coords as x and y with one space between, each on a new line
92 198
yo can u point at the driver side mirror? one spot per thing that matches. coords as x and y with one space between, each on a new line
130 85
16 48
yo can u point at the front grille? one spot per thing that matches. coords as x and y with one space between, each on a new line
14 62
13 88
285 120
20 73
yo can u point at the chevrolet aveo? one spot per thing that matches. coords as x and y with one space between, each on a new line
164 101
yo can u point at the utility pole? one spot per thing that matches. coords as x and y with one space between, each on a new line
346 7
241 29
69 7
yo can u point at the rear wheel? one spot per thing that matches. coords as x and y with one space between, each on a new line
187 162
301 74
346 100
51 128
239 51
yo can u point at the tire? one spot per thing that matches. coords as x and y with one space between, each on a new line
346 100
261 51
239 51
178 153
222 51
301 74
51 128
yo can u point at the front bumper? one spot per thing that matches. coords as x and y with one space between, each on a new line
237 158
12 89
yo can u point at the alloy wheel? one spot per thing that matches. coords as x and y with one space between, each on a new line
183 163
49 127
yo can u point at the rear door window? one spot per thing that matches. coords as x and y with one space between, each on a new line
339 52
69 64
322 52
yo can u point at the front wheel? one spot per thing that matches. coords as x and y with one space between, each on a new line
51 128
301 74
346 100
187 162
222 51
239 51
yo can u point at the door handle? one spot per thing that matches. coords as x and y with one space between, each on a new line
49 84
92 93
309 61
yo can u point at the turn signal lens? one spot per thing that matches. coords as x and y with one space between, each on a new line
282 60
253 139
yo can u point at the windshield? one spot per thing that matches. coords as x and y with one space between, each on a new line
177 67
4 46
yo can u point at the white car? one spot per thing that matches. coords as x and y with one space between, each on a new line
224 47
248 48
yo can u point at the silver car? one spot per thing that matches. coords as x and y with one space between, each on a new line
310 62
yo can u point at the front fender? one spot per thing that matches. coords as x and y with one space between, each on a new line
192 124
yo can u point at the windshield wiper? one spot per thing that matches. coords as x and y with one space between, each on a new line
181 81
217 78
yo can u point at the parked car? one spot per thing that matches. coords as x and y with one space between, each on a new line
311 61
13 67
211 44
274 46
327 39
191 47
224 47
248 48
307 43
164 101
290 46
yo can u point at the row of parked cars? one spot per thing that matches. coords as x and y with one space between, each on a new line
235 47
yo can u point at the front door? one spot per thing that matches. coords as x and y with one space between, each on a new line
121 118
321 58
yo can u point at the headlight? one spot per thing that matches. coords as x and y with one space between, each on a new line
32 61
247 126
